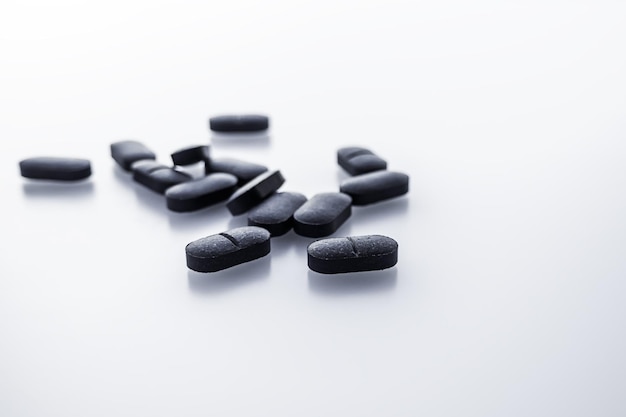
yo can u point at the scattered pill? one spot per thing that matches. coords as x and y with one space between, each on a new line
224 250
191 155
254 192
322 215
159 179
352 254
126 152
275 214
375 186
145 166
200 193
243 170
55 168
356 160
239 123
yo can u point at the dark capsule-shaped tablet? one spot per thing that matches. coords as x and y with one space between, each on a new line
275 214
375 186
158 179
254 192
190 155
356 160
200 193
352 254
243 170
224 250
55 168
126 152
239 123
322 215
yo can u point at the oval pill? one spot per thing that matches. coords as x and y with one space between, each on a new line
322 215
275 214
55 168
243 170
375 186
125 152
200 193
190 155
239 123
254 192
352 254
159 179
356 160
224 250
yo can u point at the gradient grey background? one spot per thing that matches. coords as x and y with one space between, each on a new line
508 298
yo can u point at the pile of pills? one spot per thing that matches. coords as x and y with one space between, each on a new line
246 187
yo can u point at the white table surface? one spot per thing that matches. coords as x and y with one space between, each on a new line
508 297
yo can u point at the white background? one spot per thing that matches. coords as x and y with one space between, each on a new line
508 297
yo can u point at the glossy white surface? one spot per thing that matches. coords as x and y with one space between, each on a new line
508 298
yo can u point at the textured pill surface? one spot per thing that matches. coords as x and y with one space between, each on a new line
275 214
356 160
55 168
375 186
239 123
200 193
126 152
322 215
352 254
254 192
224 250
243 170
160 179
190 155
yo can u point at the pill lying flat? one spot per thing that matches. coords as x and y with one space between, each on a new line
200 193
356 160
55 168
243 170
254 192
126 152
159 179
352 254
239 123
275 214
145 166
322 215
224 250
190 155
375 186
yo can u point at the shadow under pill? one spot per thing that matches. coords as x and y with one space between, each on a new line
289 242
231 278
237 221
47 189
236 139
353 283
382 209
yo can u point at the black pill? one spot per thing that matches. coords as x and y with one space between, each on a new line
243 170
275 214
322 215
126 152
55 168
254 192
145 166
158 179
375 186
352 254
190 155
200 193
239 123
224 250
356 160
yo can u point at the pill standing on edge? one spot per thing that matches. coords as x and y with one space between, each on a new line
352 254
254 192
126 152
356 160
275 214
158 179
243 170
190 155
55 168
200 193
375 186
224 250
322 215
239 123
